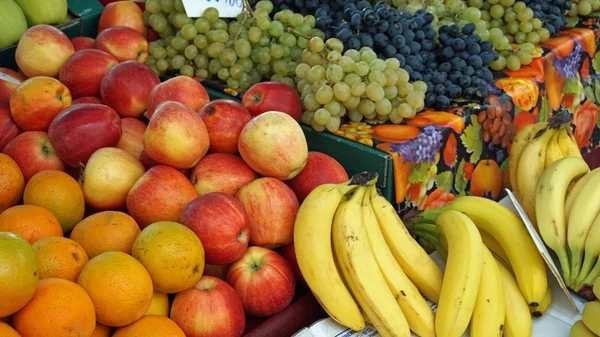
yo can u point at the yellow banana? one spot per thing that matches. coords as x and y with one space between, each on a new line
585 209
544 305
553 152
494 246
521 140
575 190
591 312
518 319
550 205
416 310
531 168
414 260
568 144
592 250
580 330
312 240
356 259
490 308
462 276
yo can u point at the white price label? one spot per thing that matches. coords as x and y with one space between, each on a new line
227 8
5 77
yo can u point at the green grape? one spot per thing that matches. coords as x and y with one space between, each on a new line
324 94
150 62
280 67
404 89
333 107
347 64
526 27
223 74
264 41
334 56
368 56
263 69
296 20
519 5
510 16
316 73
288 40
187 70
276 29
169 31
254 34
303 43
334 124
153 6
584 8
235 28
499 64
211 14
317 127
158 22
307 117
302 70
512 27
544 34
524 57
513 63
228 57
302 84
341 91
202 25
289 81
415 100
392 63
200 41
533 37
263 23
507 3
267 6
214 66
472 14
310 103
246 64
404 110
525 14
403 76
483 33
362 68
355 115
242 48
264 56
276 51
497 11
390 92
383 107
286 51
366 107
220 36
334 73
322 116
180 20
420 86
167 6
352 102
536 23
350 79
375 91
475 3
378 77
214 50
233 83
171 51
159 53
316 44
177 62
358 88
162 65
201 73
179 43
190 52
391 77
336 45
201 61
377 64
354 55
527 47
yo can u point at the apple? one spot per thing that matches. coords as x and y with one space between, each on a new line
161 194
82 42
273 145
109 175
320 169
49 12
42 50
82 129
37 101
8 128
13 23
9 81
211 308
124 43
180 89
272 96
176 136
83 72
272 207
224 120
221 223
33 152
289 254
88 99
259 272
216 270
122 13
221 172
132 138
126 87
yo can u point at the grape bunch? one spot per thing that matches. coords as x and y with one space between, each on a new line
304 7
334 83
463 67
238 52
550 12
583 7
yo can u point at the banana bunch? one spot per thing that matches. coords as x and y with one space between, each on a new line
534 149
362 264
589 325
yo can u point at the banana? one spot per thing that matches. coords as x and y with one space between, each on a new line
549 205
462 276
518 319
592 250
356 259
494 246
585 209
568 144
490 308
575 190
416 263
544 305
531 168
580 330
429 233
518 145
591 312
585 288
553 152
416 310
312 240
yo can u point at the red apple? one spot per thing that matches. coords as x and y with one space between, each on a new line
221 172
9 81
180 89
259 272
161 194
211 308
272 96
8 128
88 99
273 145
124 43
176 136
272 207
83 72
224 120
42 50
33 152
82 42
221 223
289 254
81 129
126 87
132 139
320 169
122 13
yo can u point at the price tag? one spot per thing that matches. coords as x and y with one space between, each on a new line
227 8
5 77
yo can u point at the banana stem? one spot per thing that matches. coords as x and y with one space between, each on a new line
433 241
431 215
588 262
589 279
575 266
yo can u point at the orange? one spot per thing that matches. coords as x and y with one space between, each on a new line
486 179
151 326
102 331
30 222
11 182
106 231
7 331
58 192
59 308
159 306
119 286
18 273
172 254
59 257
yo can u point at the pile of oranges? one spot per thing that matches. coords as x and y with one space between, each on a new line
107 278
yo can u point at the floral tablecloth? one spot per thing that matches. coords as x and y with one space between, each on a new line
440 155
